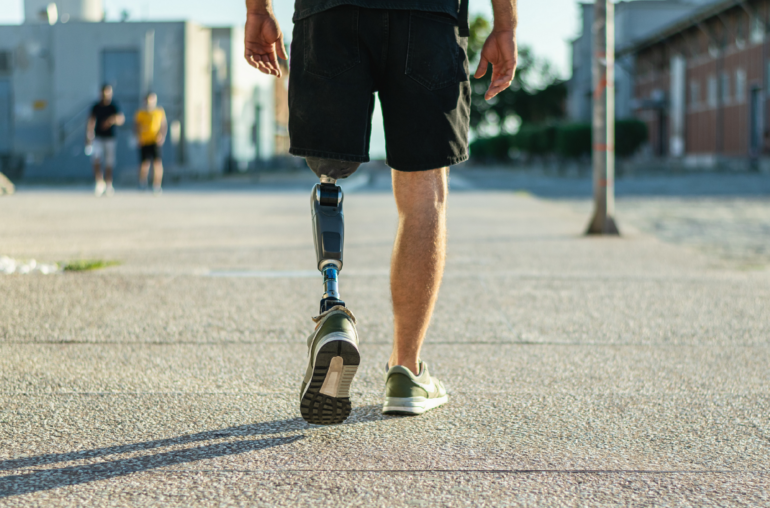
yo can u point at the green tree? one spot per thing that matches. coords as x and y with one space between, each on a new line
536 95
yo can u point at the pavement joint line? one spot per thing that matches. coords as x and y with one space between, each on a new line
716 277
472 471
388 343
379 393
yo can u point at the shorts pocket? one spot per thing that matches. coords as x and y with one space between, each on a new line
331 41
434 51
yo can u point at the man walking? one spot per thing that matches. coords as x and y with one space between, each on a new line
412 53
150 127
100 137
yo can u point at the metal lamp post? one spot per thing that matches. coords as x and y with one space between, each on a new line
603 221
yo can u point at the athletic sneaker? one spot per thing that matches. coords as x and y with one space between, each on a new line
109 191
407 394
157 191
333 360
99 188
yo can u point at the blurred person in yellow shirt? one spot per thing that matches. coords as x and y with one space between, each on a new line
151 128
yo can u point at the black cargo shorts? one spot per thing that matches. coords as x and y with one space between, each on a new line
414 60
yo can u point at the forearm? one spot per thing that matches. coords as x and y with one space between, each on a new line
259 6
506 17
90 126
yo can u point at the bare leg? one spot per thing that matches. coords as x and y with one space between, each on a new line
108 175
157 174
419 255
144 171
98 177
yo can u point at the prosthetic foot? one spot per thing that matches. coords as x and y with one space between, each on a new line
333 355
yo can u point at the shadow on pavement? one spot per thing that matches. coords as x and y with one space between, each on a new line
47 479
75 475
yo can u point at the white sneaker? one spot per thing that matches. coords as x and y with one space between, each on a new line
100 188
109 191
157 191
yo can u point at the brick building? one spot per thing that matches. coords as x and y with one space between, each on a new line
700 85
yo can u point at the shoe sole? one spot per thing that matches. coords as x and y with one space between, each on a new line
326 400
411 406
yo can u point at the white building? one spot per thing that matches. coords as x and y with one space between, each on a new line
221 112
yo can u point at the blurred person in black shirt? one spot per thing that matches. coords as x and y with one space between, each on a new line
101 142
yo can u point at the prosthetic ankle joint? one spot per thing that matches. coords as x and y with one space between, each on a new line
329 237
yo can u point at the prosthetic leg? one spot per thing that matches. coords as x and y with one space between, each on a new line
329 224
333 355
329 238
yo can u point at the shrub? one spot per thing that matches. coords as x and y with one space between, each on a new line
493 148
574 140
629 136
535 139
567 140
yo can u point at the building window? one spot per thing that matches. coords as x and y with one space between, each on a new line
740 39
713 90
740 85
694 94
725 88
757 34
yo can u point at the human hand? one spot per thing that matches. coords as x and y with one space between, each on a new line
263 41
499 50
110 121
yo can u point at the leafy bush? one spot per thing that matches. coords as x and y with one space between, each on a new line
567 140
535 139
494 148
574 140
629 136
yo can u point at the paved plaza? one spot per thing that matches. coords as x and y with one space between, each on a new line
581 371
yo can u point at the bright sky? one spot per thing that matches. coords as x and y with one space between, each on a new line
546 25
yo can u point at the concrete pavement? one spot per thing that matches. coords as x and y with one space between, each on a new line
582 372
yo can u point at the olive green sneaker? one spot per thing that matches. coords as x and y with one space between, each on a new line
333 360
407 394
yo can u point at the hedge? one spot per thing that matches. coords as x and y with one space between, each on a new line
574 140
566 140
629 136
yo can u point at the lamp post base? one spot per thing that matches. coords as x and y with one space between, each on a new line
603 226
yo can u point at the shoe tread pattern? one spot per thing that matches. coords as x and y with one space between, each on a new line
318 408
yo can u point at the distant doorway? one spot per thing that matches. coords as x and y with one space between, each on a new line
121 69
755 127
6 118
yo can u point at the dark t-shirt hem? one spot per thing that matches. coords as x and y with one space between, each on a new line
446 7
